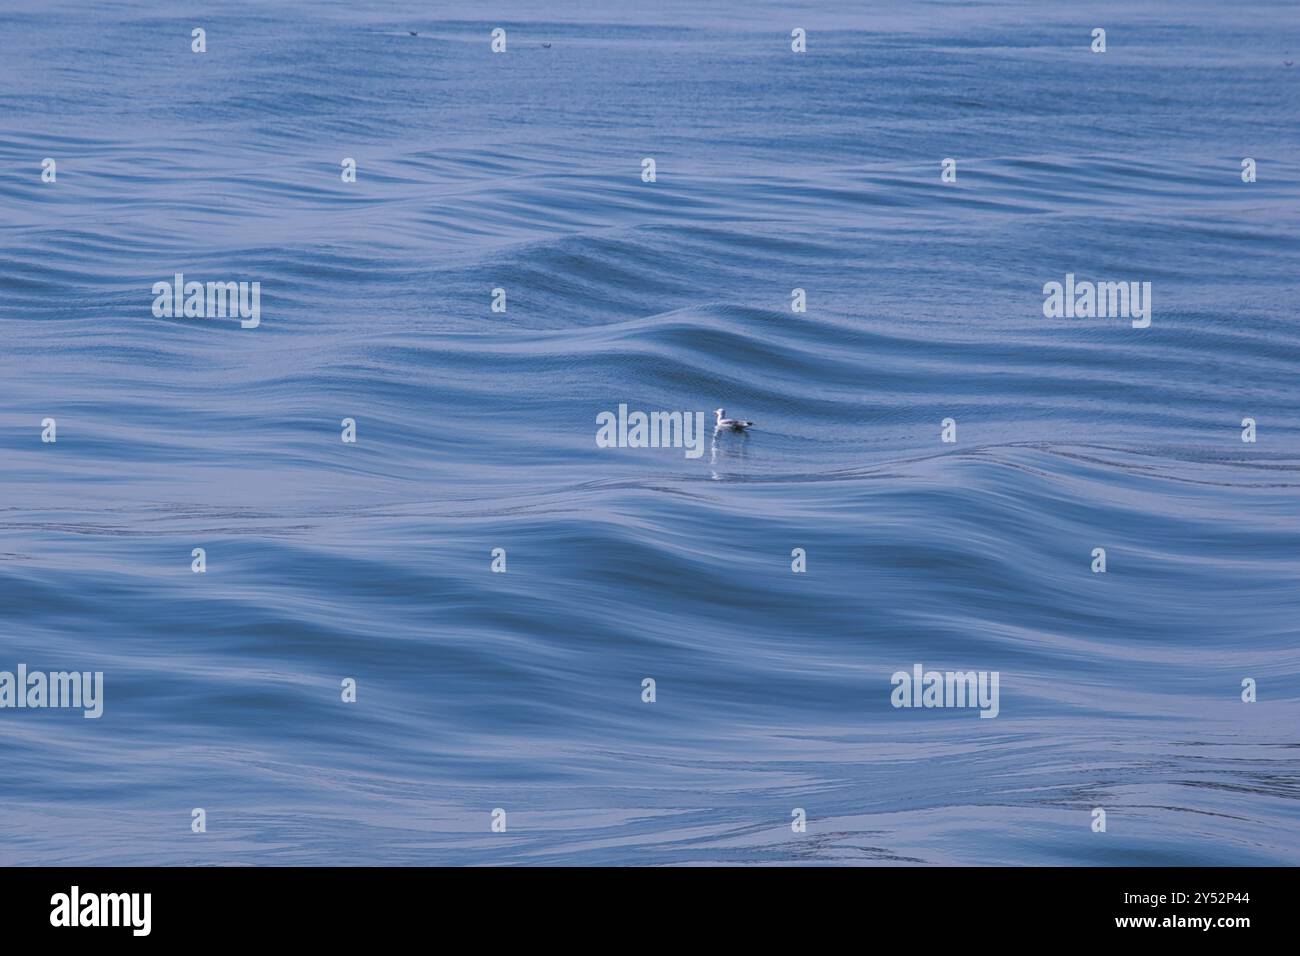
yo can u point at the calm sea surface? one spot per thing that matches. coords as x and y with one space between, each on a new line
476 430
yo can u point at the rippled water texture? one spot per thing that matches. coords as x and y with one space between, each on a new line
476 430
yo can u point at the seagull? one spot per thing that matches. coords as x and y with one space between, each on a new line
735 424
546 46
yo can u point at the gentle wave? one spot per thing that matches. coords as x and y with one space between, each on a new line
477 430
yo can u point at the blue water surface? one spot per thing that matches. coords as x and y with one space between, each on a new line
476 430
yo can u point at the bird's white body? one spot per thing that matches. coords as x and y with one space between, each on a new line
735 424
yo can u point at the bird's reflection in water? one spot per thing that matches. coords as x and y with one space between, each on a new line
727 446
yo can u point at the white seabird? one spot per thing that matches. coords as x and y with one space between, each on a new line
735 424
